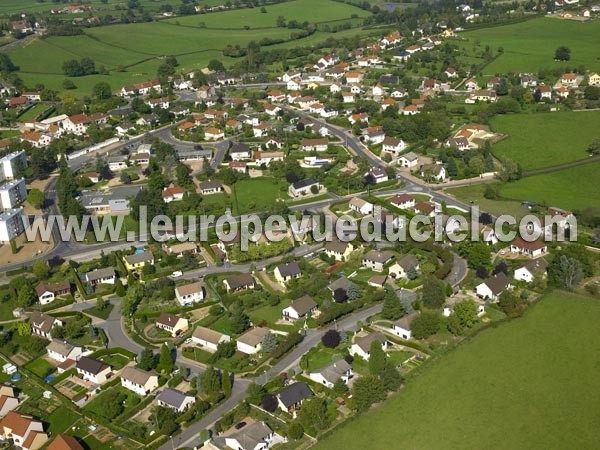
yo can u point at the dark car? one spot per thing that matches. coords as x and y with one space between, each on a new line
240 425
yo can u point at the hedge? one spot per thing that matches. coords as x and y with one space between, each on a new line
113 351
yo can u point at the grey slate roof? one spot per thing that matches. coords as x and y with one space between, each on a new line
289 269
172 397
294 393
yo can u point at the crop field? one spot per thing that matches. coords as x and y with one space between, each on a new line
574 188
528 383
530 45
98 6
546 139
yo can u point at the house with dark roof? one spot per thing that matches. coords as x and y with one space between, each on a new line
493 286
402 326
175 399
303 187
302 307
286 272
210 187
528 271
401 267
172 323
42 324
138 380
362 345
138 260
239 282
101 276
47 292
329 374
290 398
209 339
376 260
256 436
92 370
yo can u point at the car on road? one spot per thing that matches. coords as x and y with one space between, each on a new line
177 274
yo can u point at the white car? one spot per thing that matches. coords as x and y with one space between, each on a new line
177 274
187 341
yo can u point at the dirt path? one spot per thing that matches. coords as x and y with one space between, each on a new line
267 280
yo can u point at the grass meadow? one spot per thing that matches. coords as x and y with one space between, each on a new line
546 139
530 45
529 383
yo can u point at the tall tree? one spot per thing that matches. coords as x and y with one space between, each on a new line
165 361
377 358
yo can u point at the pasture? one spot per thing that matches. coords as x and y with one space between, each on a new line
530 45
528 383
545 139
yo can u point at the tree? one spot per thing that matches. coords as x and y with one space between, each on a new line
255 393
340 387
562 53
119 288
27 296
240 322
566 271
113 404
24 329
36 198
102 90
392 308
216 66
477 254
295 431
377 358
593 149
511 304
100 304
269 342
353 292
226 383
147 360
368 390
425 325
390 377
165 361
466 312
210 381
269 403
314 414
331 338
40 269
433 293
340 295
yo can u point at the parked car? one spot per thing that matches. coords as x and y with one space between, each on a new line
177 274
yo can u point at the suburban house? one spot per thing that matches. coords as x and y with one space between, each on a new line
408 160
362 346
435 172
101 276
425 209
240 152
172 193
239 282
209 339
250 342
361 206
138 380
402 326
317 145
303 187
402 201
532 249
290 398
401 267
42 324
328 375
180 249
25 432
493 286
210 187
172 323
449 309
376 260
393 145
189 294
256 436
116 163
138 260
213 134
528 271
62 350
302 307
47 292
339 250
377 175
342 283
8 400
286 272
92 370
65 442
175 399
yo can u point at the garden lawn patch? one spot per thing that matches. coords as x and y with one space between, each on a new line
258 194
103 313
501 376
40 367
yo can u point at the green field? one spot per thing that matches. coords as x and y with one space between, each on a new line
529 46
474 194
99 7
575 188
530 383
258 194
546 139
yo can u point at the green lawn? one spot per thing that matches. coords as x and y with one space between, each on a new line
40 367
546 139
475 193
529 383
61 420
33 112
103 313
257 194
530 45
117 362
575 188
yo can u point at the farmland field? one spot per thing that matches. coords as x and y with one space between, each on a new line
530 45
574 188
529 383
546 139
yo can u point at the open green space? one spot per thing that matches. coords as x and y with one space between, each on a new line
574 188
475 194
100 313
258 194
545 139
530 45
529 383
40 367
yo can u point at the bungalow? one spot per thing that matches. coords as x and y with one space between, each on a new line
402 326
302 307
398 93
471 84
290 398
213 134
210 187
493 286
410 110
116 163
286 272
354 77
303 187
435 172
393 145
8 401
408 160
377 175
162 102
209 339
190 293
238 166
275 95
172 323
425 209
401 267
240 151
451 72
347 97
358 118
361 206
387 103
402 201
267 158
528 271
42 324
25 432
362 346
532 249
256 436
180 249
294 85
402 55
342 283
483 95
138 381
374 135
331 373
62 350
376 260
175 400
138 260
460 143
47 292
172 193
239 282
92 370
318 145
250 342
341 251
